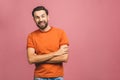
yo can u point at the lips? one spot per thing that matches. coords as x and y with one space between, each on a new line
41 23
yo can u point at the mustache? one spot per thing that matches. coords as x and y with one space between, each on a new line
41 22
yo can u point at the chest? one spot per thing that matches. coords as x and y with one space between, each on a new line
45 43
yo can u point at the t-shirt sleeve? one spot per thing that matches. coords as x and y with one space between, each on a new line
30 41
64 39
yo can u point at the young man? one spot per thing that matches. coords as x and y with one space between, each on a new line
47 47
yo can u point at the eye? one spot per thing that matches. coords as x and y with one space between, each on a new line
36 17
43 16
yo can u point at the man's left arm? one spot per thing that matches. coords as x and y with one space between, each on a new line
59 59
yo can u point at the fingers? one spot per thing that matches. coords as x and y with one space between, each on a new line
65 48
62 50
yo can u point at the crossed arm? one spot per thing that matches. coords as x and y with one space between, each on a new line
59 56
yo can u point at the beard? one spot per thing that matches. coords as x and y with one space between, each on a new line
42 25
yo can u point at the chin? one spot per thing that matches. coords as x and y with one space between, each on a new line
42 28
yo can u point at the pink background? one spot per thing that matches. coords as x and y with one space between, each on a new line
92 26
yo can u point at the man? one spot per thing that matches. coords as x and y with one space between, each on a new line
47 47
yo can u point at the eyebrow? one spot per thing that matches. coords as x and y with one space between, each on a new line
40 15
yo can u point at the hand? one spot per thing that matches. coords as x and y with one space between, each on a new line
62 50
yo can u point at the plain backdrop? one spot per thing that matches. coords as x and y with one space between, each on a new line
92 26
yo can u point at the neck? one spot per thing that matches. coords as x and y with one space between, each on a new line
46 29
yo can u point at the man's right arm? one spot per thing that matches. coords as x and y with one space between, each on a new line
34 58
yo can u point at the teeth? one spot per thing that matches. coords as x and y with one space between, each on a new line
42 22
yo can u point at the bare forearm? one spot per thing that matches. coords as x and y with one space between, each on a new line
34 58
49 58
58 59
40 58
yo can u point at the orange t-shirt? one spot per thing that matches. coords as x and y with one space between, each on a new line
44 43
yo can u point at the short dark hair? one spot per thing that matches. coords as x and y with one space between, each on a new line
38 8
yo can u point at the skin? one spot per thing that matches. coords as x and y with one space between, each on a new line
41 20
61 55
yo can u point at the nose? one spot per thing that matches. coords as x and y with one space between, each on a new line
40 19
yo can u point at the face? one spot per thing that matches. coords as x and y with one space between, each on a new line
41 19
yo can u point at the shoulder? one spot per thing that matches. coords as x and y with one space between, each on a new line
57 29
33 33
